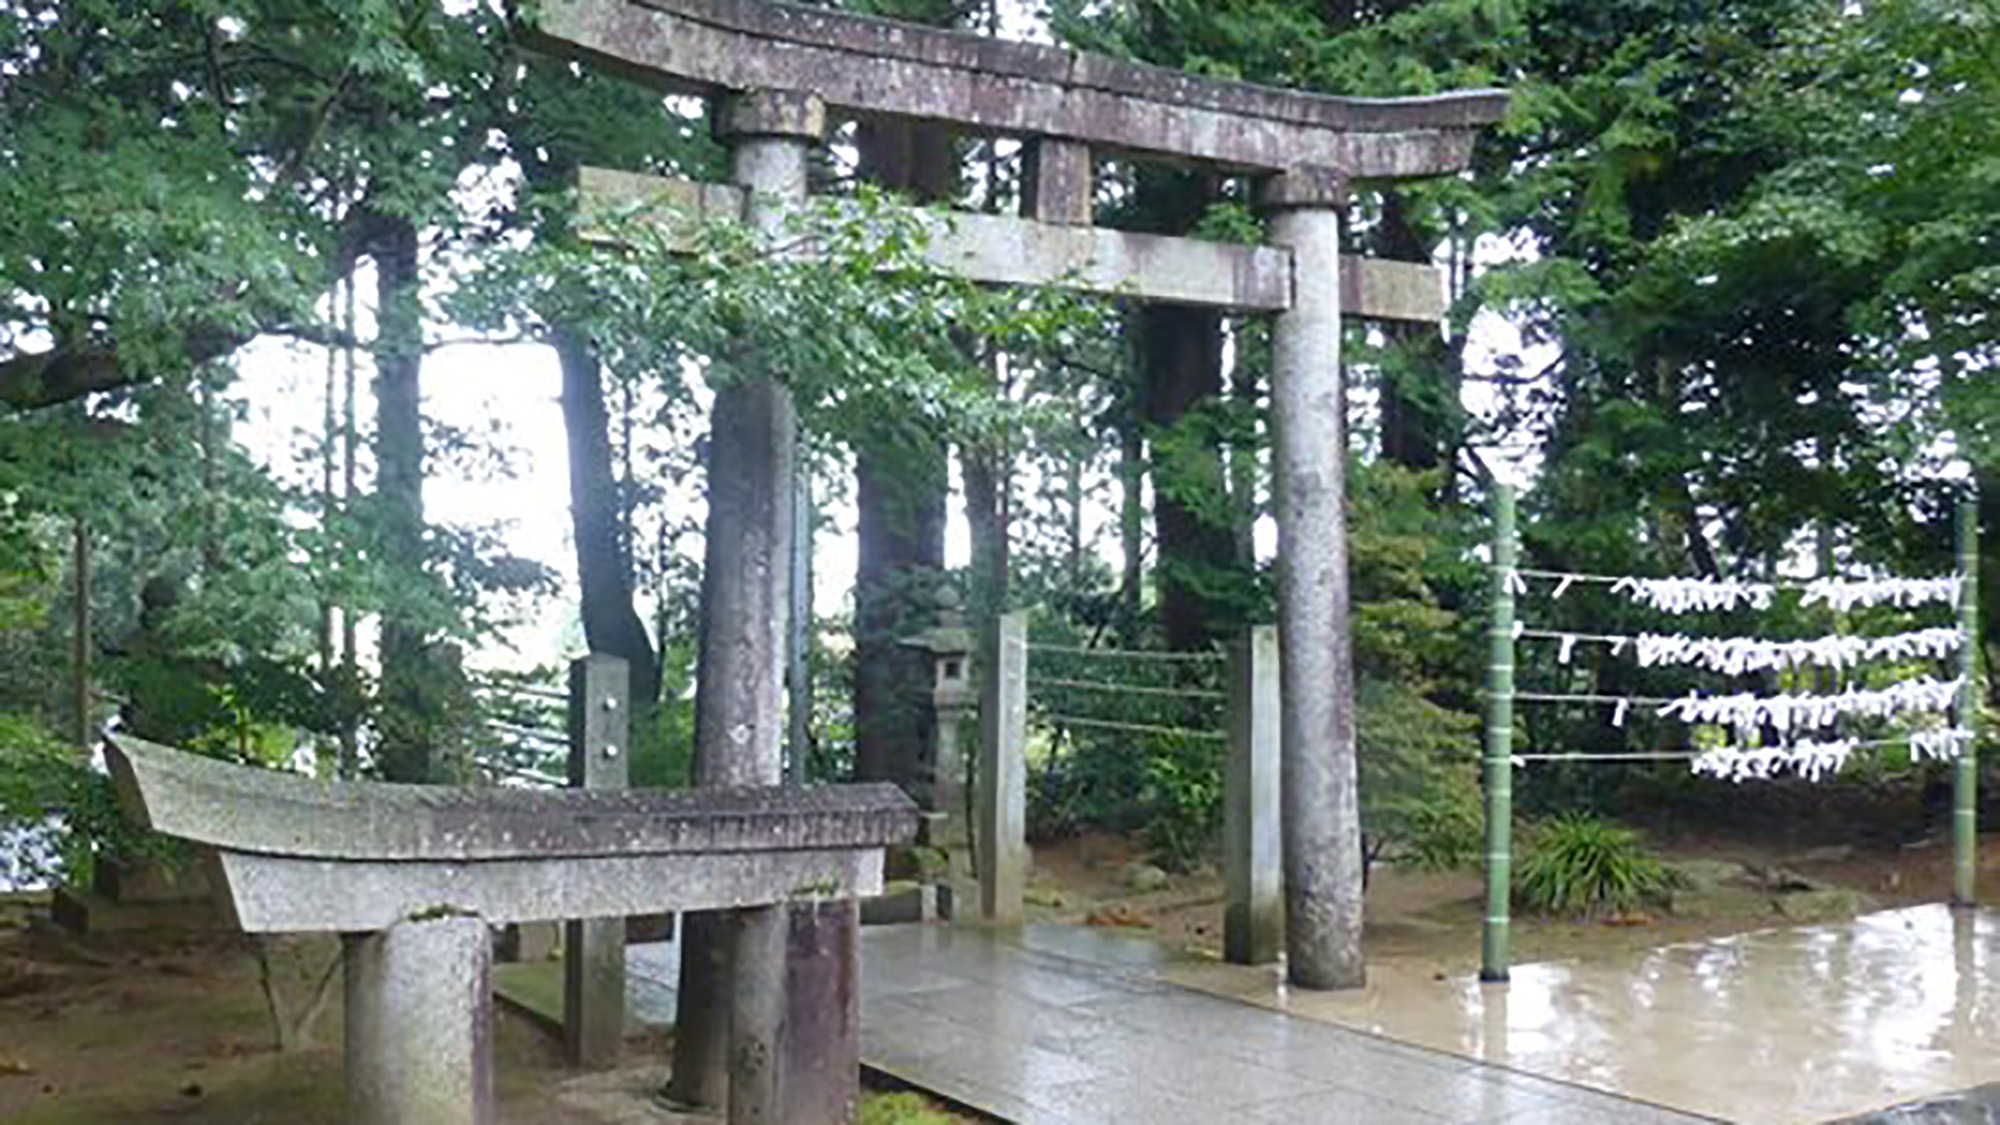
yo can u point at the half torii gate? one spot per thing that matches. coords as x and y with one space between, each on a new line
779 70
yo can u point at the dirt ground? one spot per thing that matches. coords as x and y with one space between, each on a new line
1432 919
173 1027
163 1027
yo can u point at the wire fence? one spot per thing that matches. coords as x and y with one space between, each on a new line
1078 689
521 731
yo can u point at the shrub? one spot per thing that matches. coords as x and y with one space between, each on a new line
1582 865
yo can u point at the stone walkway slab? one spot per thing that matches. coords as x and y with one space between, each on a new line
1074 1027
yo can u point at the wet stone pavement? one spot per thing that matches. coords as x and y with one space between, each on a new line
1037 1036
1078 1025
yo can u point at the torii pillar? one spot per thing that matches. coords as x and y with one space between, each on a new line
1321 806
732 980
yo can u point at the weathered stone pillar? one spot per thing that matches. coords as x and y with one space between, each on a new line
746 612
757 967
1058 181
819 1060
600 696
1253 917
1000 795
419 1020
1322 818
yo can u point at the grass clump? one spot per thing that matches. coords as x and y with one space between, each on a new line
1587 866
905 1107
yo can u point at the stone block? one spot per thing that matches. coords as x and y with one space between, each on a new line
646 929
1303 188
527 942
901 903
419 1022
771 113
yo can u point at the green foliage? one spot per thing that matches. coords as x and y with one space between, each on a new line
1420 801
1415 667
1182 799
903 1108
860 328
1165 789
666 759
1155 771
58 813
1581 865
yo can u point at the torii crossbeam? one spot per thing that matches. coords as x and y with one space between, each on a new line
780 69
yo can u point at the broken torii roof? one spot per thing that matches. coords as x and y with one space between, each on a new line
295 853
868 65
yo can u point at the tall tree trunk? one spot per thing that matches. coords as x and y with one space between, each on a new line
329 478
410 714
987 470
901 483
1420 423
1073 500
1987 479
1180 351
82 646
988 516
350 456
598 521
1180 365
1243 463
1131 516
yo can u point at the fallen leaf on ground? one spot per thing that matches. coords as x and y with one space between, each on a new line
1118 915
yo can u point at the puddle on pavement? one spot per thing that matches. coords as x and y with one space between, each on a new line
1800 1024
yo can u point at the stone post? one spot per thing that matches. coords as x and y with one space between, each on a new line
1496 935
798 656
1001 819
819 1065
746 611
1965 772
1058 181
1322 821
419 1023
594 948
1253 918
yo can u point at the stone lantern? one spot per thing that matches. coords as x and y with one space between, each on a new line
945 792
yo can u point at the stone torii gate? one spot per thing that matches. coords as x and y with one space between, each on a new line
780 70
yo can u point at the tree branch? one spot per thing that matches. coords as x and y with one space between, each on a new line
67 372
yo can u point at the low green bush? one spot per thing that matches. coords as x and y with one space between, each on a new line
1583 865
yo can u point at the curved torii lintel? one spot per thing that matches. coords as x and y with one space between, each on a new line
869 65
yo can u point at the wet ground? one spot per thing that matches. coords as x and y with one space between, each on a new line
1067 1025
1790 1025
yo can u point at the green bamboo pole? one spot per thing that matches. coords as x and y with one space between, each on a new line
1499 743
1965 790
